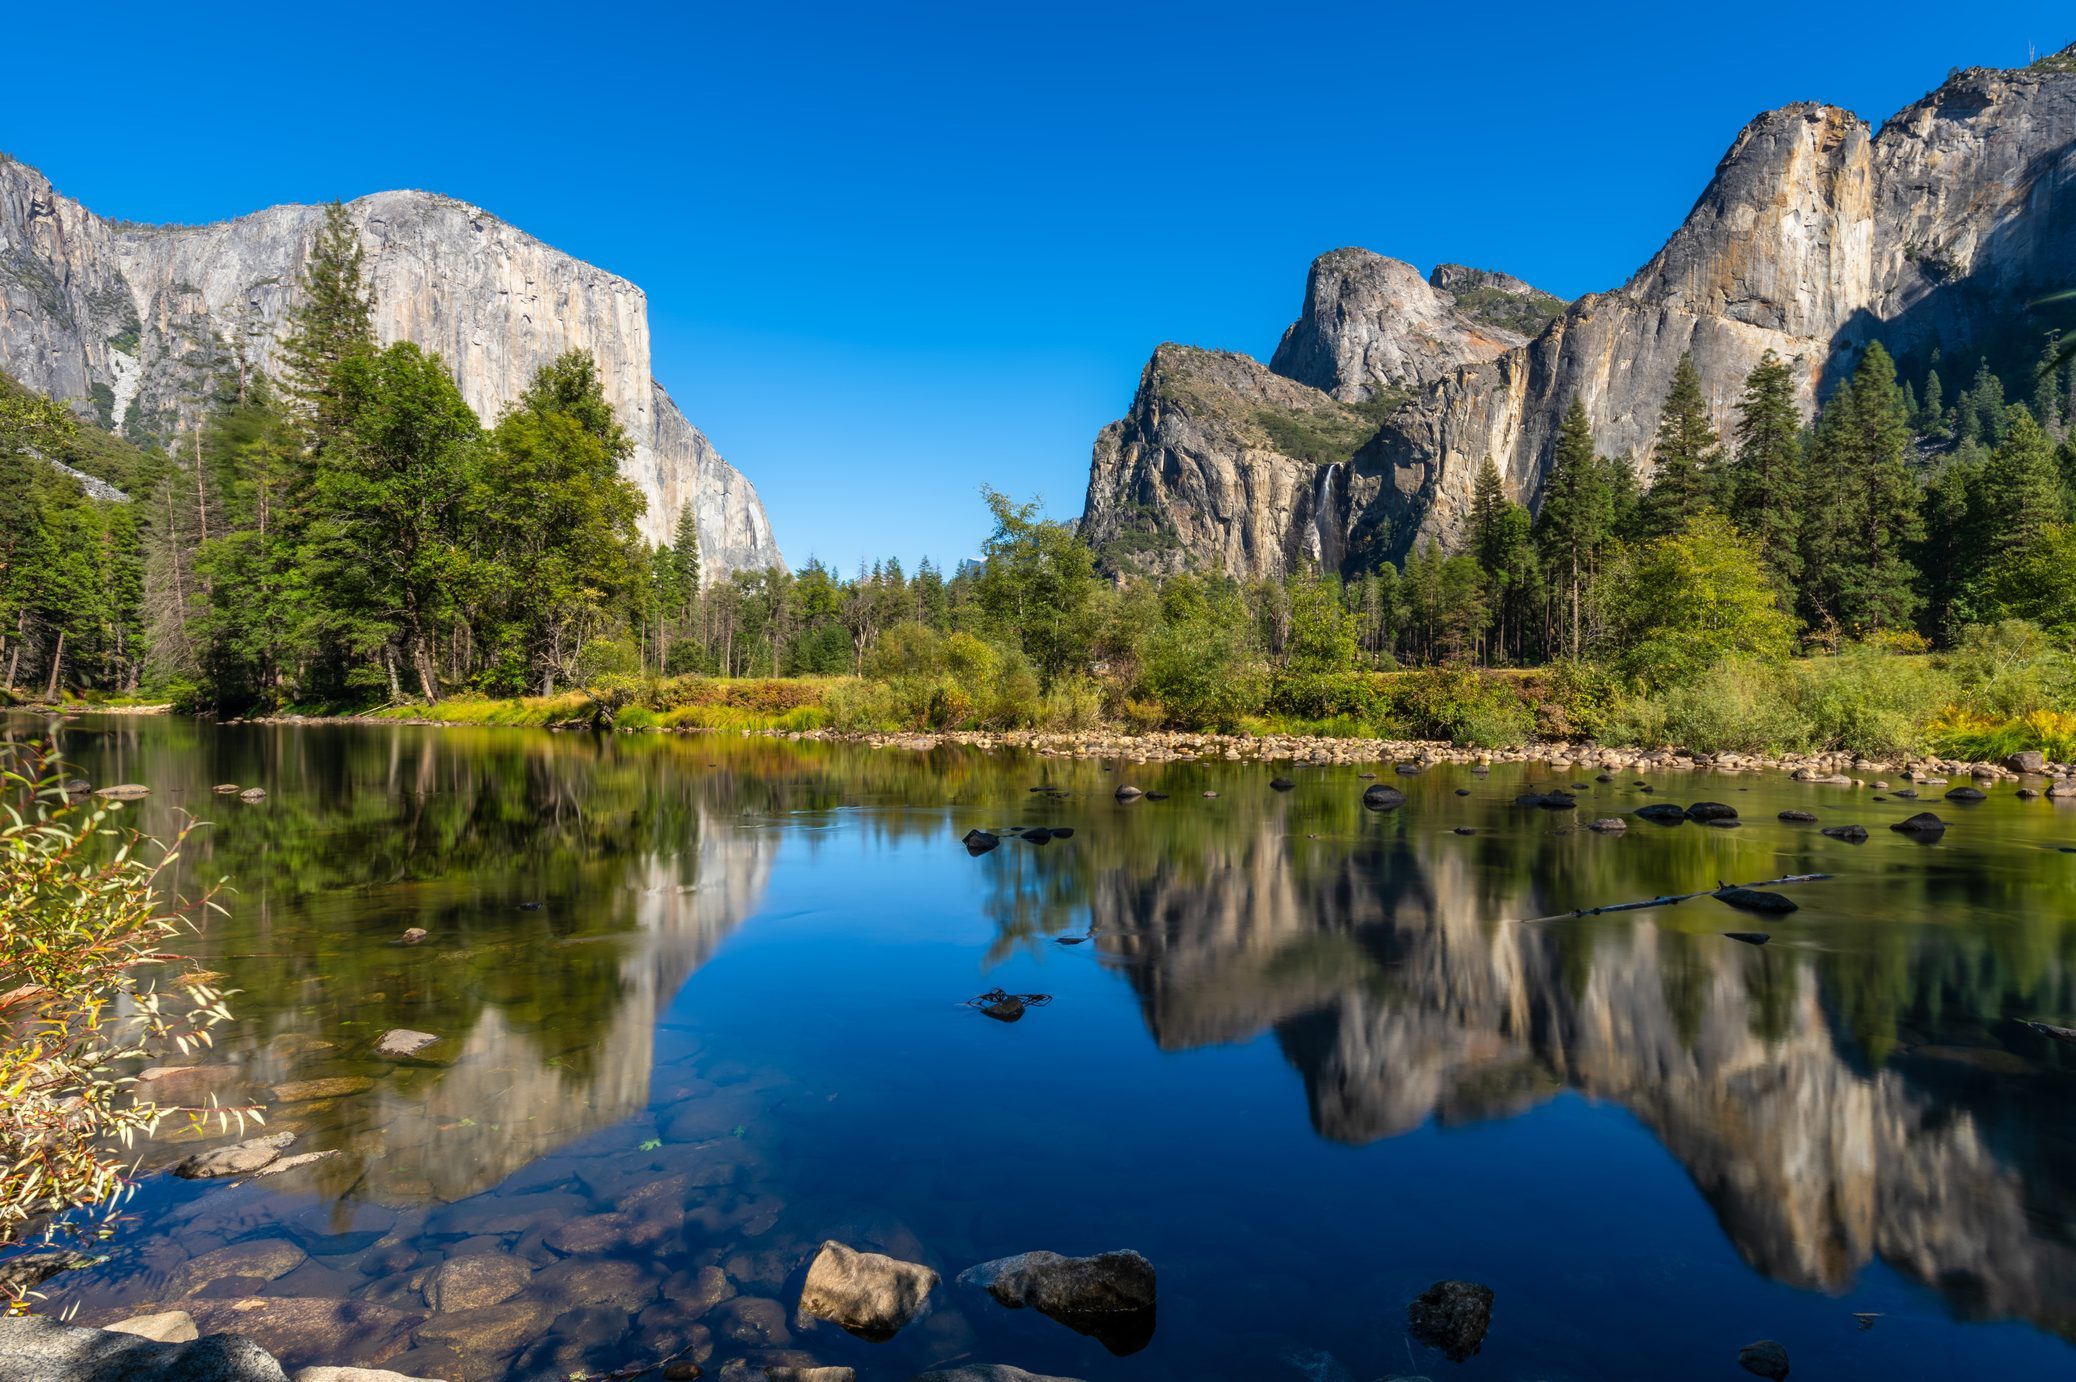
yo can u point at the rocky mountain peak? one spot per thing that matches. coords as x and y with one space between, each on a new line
124 320
1815 236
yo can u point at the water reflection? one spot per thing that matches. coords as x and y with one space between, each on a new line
1863 1089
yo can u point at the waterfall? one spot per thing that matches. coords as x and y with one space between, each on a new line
1323 547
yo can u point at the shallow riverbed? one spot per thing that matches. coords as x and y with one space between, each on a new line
702 1006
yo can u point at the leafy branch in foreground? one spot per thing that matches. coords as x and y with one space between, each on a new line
86 912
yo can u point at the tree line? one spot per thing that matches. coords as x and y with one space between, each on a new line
348 532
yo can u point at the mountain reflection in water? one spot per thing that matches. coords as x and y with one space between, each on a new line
1863 1090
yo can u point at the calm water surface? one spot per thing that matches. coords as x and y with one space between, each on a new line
1309 1061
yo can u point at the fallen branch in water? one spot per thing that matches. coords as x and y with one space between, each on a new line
1673 898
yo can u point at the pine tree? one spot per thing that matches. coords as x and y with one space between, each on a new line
2022 485
1684 457
1488 503
333 320
1766 489
1576 518
1864 506
1931 415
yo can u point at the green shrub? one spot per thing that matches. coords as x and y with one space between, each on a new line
85 922
1461 706
1074 702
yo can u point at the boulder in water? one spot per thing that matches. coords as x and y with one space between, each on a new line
2029 762
1281 784
1756 900
1127 792
1378 797
1662 813
868 1293
1709 812
979 842
1765 1358
1851 834
238 1160
1798 817
1452 1316
1923 826
1966 795
1109 1296
1608 825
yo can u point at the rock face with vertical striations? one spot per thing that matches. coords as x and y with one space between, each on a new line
127 322
1816 236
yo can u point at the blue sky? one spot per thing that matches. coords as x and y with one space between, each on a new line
895 252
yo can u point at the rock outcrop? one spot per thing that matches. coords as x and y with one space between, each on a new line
1816 236
128 321
1373 327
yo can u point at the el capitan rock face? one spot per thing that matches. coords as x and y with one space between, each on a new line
123 320
1816 236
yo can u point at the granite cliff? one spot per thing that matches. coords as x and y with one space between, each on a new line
1816 236
125 320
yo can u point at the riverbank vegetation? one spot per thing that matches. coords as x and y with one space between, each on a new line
86 913
349 537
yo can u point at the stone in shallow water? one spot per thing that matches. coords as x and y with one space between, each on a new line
402 1041
1798 817
31 1269
303 1091
1452 1316
1378 797
867 1293
262 1259
986 1372
238 1160
1662 813
1109 1296
39 1349
306 1331
1765 1358
1851 834
168 1327
1608 825
1748 937
466 1283
1756 900
1709 811
979 841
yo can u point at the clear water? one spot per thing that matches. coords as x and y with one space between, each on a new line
1311 1061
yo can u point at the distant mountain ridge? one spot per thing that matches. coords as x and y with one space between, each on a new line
1816 236
123 320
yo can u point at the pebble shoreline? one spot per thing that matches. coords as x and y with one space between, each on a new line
1839 769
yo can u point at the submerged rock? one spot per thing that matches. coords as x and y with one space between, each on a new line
1608 825
1110 1296
1924 825
979 841
1662 813
476 1280
1063 832
167 1326
985 1372
1548 801
1709 812
1765 1358
399 1042
1378 797
867 1293
31 1269
238 1160
1281 784
1756 900
1007 1007
1967 794
304 1091
1452 1316
1748 937
1037 835
1798 817
1851 834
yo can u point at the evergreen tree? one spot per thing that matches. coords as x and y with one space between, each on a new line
1766 488
1576 520
2022 485
1684 457
333 320
1931 415
1864 509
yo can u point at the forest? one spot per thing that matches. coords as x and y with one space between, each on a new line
348 535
